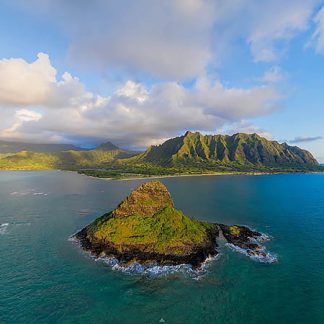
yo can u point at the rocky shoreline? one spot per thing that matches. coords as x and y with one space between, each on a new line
196 257
248 240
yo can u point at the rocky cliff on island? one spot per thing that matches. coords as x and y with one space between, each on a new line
147 228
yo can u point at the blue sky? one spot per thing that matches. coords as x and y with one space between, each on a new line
138 74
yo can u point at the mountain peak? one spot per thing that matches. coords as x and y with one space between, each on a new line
108 146
148 199
189 133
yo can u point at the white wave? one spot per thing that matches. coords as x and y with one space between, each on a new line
260 239
28 192
19 193
153 269
265 257
263 238
40 194
73 239
3 228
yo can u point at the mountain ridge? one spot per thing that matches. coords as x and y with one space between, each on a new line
190 153
15 147
240 148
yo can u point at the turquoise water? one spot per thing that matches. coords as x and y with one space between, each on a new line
45 278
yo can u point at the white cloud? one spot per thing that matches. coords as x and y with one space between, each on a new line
20 117
22 83
318 35
174 39
169 38
245 127
274 74
133 90
35 84
275 22
133 115
26 115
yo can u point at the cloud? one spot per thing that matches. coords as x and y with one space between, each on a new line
22 116
134 115
273 23
318 35
245 127
22 83
297 140
169 39
274 74
174 39
35 84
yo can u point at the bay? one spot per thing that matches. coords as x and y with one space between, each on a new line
46 278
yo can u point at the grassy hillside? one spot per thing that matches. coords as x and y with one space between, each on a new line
67 160
192 153
148 220
14 147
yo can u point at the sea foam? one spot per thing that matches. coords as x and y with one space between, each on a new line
3 228
151 269
156 270
266 258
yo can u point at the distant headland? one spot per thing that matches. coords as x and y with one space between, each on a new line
189 154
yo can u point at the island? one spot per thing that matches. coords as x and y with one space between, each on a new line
147 228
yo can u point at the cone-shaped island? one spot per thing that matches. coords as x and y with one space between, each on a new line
146 227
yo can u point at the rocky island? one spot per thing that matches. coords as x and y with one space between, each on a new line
147 228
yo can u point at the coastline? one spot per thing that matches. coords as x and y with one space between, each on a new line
201 175
191 175
142 177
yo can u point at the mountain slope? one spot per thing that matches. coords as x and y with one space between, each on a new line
238 149
190 153
66 160
14 147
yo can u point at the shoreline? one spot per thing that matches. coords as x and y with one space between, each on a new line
142 177
189 175
199 175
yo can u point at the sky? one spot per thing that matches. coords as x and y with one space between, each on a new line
139 72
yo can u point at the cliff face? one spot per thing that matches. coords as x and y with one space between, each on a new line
146 227
146 201
241 149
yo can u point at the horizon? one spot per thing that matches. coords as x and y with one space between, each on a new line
171 66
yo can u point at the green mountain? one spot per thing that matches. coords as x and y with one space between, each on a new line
190 153
195 149
14 147
108 146
66 160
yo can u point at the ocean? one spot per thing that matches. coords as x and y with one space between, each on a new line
46 278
